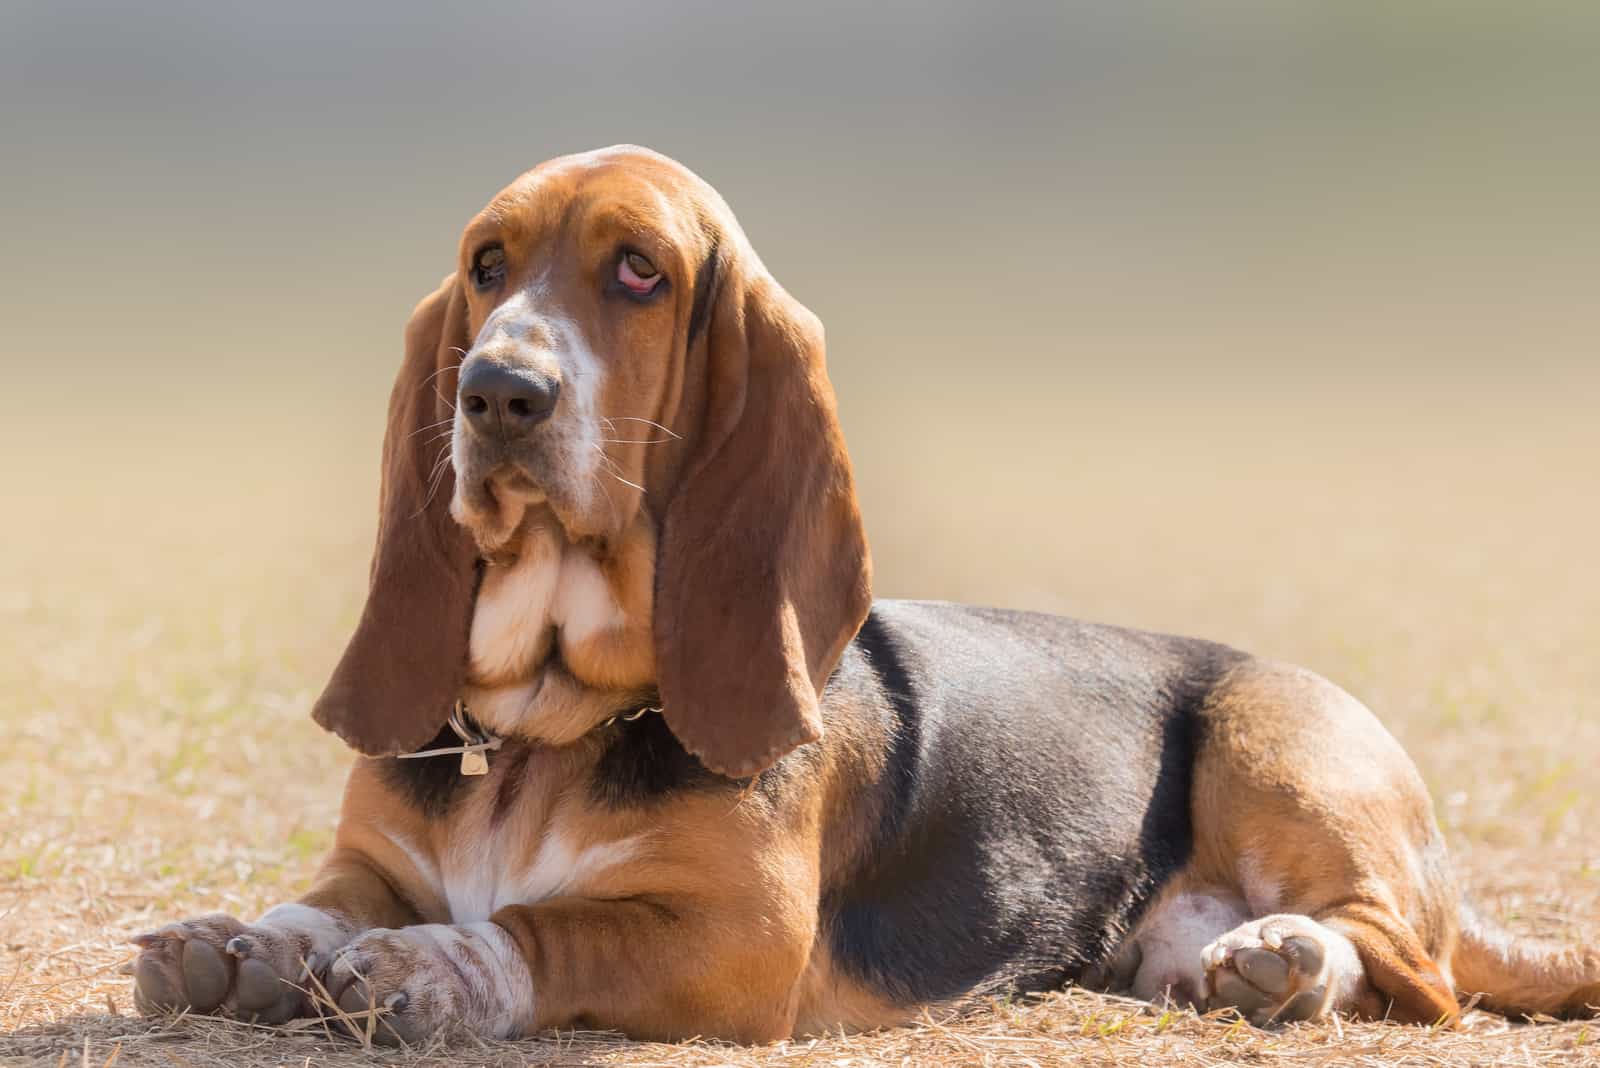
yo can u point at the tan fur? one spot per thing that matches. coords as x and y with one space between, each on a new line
715 920
830 1000
1522 976
708 927
513 686
710 919
1299 790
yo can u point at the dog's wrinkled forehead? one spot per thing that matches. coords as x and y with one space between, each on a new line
550 215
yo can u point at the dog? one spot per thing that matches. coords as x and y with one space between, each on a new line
638 751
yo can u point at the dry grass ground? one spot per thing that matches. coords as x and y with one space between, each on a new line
174 598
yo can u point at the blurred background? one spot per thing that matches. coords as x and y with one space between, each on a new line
1272 322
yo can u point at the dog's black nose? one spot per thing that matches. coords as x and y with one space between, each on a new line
503 400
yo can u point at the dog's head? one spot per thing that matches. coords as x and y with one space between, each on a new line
609 342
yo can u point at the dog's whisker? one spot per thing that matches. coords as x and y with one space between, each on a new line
440 462
435 479
432 426
446 367
625 482
612 469
433 489
605 491
648 422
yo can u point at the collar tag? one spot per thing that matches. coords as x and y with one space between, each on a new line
475 744
475 747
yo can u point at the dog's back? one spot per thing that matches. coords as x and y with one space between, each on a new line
1034 796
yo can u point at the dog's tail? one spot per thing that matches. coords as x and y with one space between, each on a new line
1525 977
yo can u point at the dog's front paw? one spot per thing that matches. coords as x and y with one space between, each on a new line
403 985
216 964
1279 969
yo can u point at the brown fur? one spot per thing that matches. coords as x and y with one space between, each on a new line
404 667
789 594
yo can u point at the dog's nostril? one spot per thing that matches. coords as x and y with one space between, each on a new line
505 400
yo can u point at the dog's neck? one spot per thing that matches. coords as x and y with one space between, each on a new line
561 634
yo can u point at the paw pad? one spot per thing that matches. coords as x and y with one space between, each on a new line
214 965
1271 971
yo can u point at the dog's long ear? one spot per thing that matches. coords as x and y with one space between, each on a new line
762 573
405 666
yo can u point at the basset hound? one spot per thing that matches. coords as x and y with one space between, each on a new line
638 751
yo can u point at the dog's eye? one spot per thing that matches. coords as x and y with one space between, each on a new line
489 267
637 273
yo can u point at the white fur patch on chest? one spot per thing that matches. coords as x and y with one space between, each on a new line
484 873
551 585
511 619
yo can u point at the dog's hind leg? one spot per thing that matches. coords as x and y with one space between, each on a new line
1307 807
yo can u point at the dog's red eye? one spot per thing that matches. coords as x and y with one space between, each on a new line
637 273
